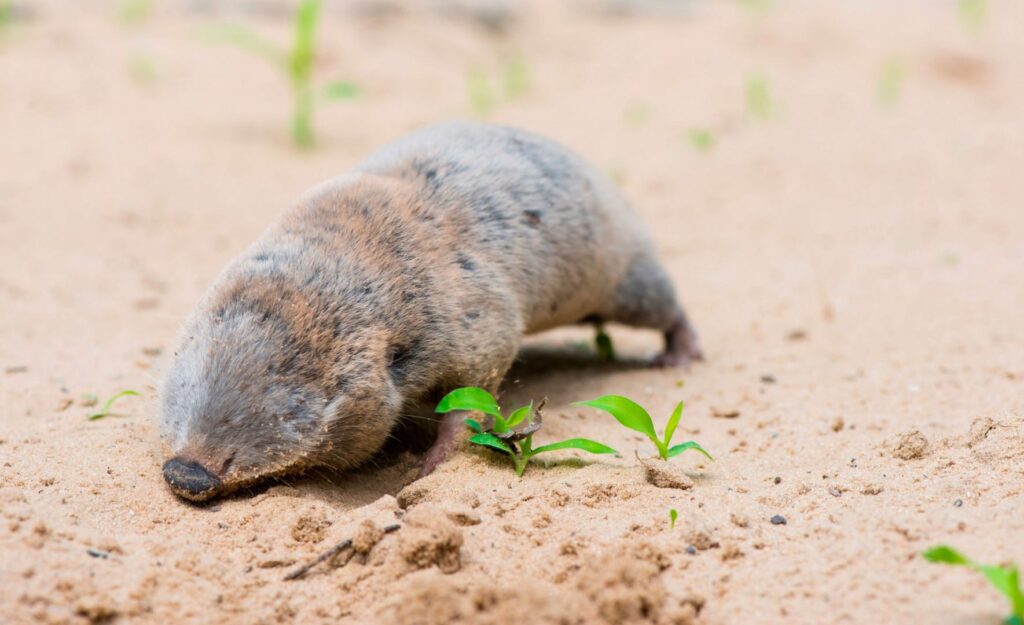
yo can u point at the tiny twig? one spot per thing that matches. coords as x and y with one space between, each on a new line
330 553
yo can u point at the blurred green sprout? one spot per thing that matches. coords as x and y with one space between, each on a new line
973 14
673 516
760 104
486 91
297 65
134 11
107 407
1005 579
702 139
890 81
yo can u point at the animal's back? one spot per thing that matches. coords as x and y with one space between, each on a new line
556 228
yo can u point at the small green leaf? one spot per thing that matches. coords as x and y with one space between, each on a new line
759 98
585 444
1005 580
681 447
340 90
946 555
105 409
301 58
475 425
517 78
673 422
490 440
626 411
481 94
702 139
245 39
673 514
470 398
518 415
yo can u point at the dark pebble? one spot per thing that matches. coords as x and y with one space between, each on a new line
768 379
96 553
777 480
778 519
690 549
958 503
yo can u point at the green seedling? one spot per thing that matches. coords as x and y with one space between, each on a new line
109 404
673 516
512 435
890 81
142 69
135 11
633 416
760 104
973 14
1006 578
6 15
603 344
296 63
486 92
702 139
637 114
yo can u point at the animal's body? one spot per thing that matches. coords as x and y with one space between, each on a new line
416 273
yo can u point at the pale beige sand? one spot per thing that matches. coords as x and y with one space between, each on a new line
869 258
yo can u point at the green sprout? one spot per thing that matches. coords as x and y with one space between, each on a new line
107 405
702 139
633 416
760 104
512 435
637 114
135 11
296 63
484 94
673 515
973 14
603 344
1006 579
6 15
142 69
890 82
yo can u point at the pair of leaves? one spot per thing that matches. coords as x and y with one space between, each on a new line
633 416
501 434
1006 579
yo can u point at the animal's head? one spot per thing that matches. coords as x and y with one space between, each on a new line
271 377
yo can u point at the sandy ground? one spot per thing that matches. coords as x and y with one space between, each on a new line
854 267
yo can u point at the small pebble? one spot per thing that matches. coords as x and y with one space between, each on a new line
690 549
777 480
96 553
778 519
958 503
835 492
768 379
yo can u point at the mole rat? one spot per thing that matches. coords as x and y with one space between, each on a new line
416 273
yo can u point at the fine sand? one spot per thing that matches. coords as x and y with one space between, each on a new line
853 264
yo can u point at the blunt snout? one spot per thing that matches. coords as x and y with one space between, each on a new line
190 480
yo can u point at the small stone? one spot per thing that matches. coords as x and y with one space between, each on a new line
690 549
835 492
910 445
871 489
958 503
838 424
776 480
778 519
768 379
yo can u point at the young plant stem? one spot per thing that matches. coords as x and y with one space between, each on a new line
302 117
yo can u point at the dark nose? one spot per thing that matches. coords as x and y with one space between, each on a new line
190 479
